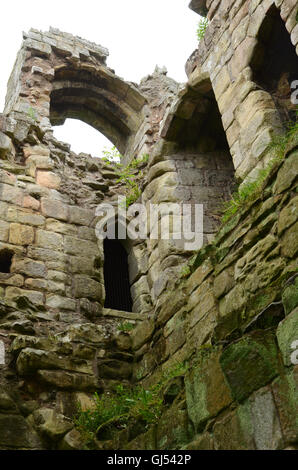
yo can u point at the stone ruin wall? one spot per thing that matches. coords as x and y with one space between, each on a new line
239 302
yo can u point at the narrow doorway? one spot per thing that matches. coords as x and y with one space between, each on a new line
116 275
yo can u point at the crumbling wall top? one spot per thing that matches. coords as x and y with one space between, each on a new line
58 76
63 42
199 6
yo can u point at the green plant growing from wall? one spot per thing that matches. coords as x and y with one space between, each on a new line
202 27
132 176
126 326
115 410
32 114
251 190
185 271
111 155
279 142
131 180
247 192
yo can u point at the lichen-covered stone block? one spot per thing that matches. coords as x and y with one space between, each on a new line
21 234
206 390
250 363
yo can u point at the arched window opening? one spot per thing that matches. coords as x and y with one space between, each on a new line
82 137
205 169
203 131
6 260
116 276
100 99
275 64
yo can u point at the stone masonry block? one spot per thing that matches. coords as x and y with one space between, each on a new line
250 363
21 234
48 179
50 240
29 267
54 209
206 390
85 287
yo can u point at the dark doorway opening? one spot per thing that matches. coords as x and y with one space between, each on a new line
275 63
5 260
116 275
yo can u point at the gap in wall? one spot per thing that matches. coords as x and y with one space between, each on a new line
82 137
275 64
116 275
6 260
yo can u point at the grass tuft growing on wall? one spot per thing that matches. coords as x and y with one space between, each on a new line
115 410
250 190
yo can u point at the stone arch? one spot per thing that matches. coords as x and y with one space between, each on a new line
99 99
205 168
58 75
194 121
134 265
274 63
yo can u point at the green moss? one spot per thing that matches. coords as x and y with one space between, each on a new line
206 391
280 143
126 326
201 256
185 271
287 333
245 419
290 296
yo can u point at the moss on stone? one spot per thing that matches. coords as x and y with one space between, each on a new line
206 390
290 296
250 363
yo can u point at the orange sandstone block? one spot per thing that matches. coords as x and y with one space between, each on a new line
30 202
48 179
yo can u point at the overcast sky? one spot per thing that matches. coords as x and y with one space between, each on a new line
139 34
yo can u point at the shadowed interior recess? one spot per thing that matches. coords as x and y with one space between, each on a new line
5 261
116 276
272 75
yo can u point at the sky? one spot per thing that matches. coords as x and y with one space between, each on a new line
139 34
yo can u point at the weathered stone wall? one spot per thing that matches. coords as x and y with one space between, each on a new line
49 230
226 55
233 319
53 287
220 125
